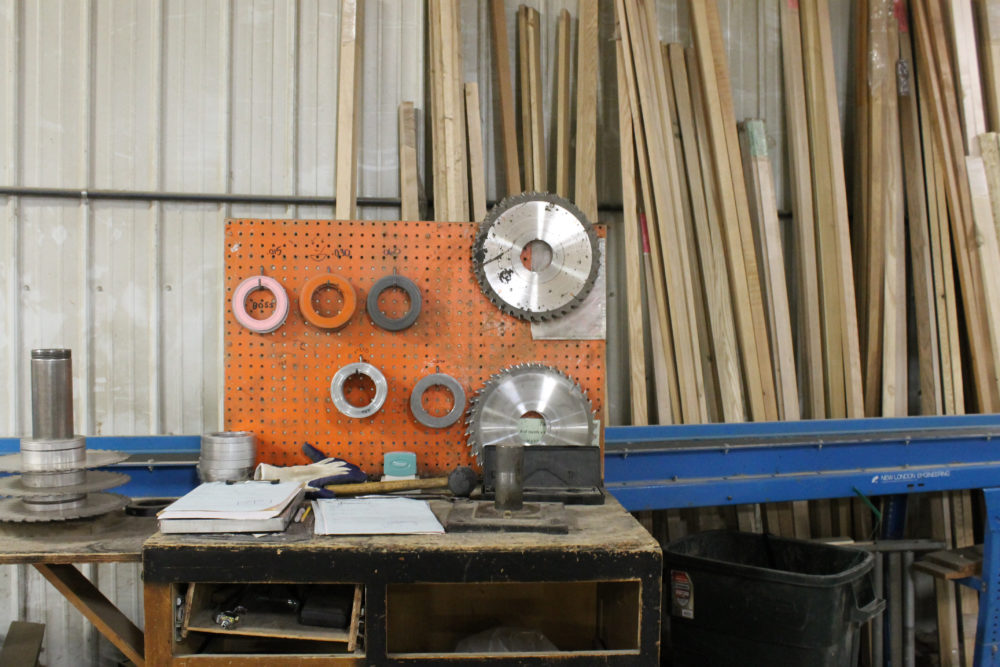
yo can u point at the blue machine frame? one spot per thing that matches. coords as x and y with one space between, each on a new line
665 467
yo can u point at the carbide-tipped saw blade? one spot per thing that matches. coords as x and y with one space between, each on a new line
526 390
548 290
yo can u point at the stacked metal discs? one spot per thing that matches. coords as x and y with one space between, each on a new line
227 456
55 484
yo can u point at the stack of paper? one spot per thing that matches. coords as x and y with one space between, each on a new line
375 516
241 507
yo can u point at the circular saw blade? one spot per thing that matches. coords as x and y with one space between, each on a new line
495 416
14 509
97 480
96 458
545 291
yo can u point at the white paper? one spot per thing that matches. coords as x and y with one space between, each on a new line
242 500
375 516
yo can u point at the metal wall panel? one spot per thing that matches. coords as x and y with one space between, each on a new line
222 97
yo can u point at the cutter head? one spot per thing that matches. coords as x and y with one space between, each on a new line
565 242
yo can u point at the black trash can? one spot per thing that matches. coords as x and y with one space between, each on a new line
745 599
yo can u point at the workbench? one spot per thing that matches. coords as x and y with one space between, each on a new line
53 547
594 592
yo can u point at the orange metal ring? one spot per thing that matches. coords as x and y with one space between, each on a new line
319 282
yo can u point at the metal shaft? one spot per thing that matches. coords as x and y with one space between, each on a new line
510 478
51 394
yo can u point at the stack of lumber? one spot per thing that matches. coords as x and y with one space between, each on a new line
532 162
745 316
703 239
447 117
525 158
719 295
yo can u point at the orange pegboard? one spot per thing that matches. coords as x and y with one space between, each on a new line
278 384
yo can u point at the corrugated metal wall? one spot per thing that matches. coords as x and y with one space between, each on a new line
225 96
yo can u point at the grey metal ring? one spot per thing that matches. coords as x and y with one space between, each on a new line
383 321
417 403
337 390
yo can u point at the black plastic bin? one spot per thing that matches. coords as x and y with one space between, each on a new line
745 599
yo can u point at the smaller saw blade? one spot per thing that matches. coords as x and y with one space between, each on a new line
14 509
567 246
566 415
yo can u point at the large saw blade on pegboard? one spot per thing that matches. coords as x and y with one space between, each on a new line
521 285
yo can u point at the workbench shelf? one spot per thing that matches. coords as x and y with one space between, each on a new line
594 593
272 630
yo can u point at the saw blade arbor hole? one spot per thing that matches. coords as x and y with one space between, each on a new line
359 390
532 427
537 255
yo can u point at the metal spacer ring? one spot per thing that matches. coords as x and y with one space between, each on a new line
379 318
337 390
437 380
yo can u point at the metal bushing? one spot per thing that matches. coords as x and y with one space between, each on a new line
51 455
379 318
54 503
47 480
320 282
417 400
208 473
340 400
227 455
229 449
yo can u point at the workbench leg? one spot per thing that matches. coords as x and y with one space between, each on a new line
988 628
107 618
158 603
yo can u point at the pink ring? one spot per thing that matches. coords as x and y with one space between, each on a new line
250 285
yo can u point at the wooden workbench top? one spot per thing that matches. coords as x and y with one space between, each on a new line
113 537
594 529
590 526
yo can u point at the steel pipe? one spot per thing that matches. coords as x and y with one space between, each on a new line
510 478
51 394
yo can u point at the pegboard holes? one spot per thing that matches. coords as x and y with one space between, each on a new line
359 390
393 302
437 400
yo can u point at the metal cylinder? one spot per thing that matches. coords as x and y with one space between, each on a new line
53 455
54 503
51 394
227 455
53 479
510 478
